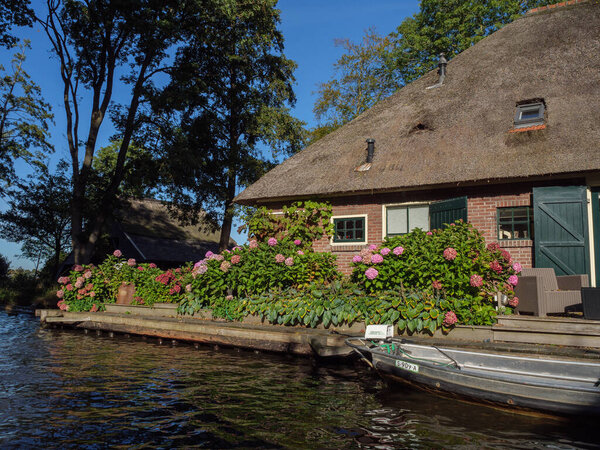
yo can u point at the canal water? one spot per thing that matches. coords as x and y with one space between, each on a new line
66 389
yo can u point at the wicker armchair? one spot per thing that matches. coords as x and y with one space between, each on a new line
541 292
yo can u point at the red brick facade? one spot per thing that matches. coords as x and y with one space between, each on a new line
482 205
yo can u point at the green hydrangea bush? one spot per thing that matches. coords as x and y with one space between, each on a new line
452 263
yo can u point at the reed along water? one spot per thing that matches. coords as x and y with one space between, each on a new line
66 389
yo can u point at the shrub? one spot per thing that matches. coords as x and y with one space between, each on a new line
453 263
254 269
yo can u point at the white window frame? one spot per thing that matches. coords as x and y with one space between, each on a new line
350 216
396 205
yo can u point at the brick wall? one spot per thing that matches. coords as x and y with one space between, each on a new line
482 204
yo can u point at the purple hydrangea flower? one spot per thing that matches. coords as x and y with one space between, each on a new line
376 258
272 242
357 259
513 279
398 251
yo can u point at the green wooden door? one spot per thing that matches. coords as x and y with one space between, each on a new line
447 211
560 224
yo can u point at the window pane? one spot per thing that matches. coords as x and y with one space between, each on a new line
396 221
515 223
418 217
521 231
359 235
530 114
358 224
340 225
505 214
349 230
520 214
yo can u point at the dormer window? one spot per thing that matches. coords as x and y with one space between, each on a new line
529 114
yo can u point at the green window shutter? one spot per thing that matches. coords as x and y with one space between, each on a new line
447 212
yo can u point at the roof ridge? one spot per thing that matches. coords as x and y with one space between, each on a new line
555 5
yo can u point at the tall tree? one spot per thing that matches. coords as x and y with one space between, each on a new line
13 12
361 79
38 214
98 43
228 99
24 117
450 27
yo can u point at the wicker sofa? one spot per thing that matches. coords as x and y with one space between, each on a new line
541 292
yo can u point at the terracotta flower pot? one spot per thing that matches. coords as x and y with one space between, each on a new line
125 294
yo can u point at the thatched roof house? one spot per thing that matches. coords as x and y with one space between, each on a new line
460 133
516 122
144 230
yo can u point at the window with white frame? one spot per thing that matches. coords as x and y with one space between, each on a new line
349 229
405 218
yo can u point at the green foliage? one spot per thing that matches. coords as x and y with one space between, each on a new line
13 12
24 117
443 262
448 26
4 265
306 221
255 269
38 215
361 81
89 287
229 95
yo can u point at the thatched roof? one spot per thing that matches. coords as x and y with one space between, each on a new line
460 133
147 232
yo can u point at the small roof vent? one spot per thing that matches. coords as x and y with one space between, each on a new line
443 62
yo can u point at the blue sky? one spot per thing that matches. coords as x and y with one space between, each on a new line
309 28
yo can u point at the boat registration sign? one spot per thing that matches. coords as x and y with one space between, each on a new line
407 366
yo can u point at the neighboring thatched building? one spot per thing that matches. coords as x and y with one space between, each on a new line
145 231
510 142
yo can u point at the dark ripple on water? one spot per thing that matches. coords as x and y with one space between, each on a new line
67 389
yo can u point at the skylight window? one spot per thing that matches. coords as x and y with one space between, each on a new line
529 114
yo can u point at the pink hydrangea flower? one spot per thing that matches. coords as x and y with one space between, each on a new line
131 262
140 268
77 268
92 294
87 274
78 283
376 258
493 246
227 251
272 242
513 279
202 269
63 280
235 259
279 258
297 241
89 286
372 247
517 267
436 284
69 287
229 297
514 302
94 308
371 273
365 253
357 259
289 261
218 257
188 288
152 266
398 251
225 266
476 280
385 251
506 255
253 243
117 253
429 233
495 265
202 262
60 294
450 254
208 254
450 318
300 252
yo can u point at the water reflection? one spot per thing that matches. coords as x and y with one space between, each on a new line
67 389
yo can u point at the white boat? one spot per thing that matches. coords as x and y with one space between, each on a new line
535 383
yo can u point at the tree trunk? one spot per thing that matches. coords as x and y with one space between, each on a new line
229 211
